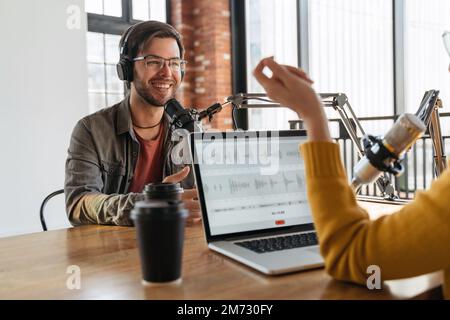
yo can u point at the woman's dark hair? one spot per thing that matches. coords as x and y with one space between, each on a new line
144 32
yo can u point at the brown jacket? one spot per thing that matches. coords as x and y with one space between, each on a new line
102 156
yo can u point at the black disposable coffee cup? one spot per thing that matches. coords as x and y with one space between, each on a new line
163 191
160 235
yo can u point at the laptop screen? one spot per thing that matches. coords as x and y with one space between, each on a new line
251 181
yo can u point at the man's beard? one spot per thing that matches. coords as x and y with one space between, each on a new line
148 97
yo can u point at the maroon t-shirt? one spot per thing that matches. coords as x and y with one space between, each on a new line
149 166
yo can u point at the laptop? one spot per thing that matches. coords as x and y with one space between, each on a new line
252 192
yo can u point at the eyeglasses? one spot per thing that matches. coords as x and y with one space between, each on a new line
156 63
446 38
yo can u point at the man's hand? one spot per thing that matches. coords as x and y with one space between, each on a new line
191 203
189 196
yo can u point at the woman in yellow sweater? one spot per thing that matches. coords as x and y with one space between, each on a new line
413 241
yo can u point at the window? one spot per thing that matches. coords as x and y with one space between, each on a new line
350 41
107 20
350 46
426 61
271 31
104 87
105 7
149 9
351 51
426 64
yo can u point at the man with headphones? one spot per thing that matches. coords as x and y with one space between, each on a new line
114 152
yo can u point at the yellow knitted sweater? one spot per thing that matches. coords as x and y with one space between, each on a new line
413 241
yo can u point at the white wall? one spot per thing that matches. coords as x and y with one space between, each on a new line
43 92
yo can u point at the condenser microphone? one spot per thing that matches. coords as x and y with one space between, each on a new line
384 154
180 117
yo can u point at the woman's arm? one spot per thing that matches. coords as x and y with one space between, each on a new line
410 242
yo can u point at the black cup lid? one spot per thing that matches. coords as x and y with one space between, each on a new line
163 187
158 209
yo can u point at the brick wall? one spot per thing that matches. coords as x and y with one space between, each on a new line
205 28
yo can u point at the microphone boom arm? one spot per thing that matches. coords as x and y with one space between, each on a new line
434 127
340 103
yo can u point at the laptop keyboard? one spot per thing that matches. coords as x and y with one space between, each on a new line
280 243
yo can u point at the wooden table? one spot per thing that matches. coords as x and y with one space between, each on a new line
34 266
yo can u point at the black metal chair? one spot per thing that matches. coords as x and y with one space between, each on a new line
41 211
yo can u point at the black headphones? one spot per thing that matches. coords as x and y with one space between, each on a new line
125 65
